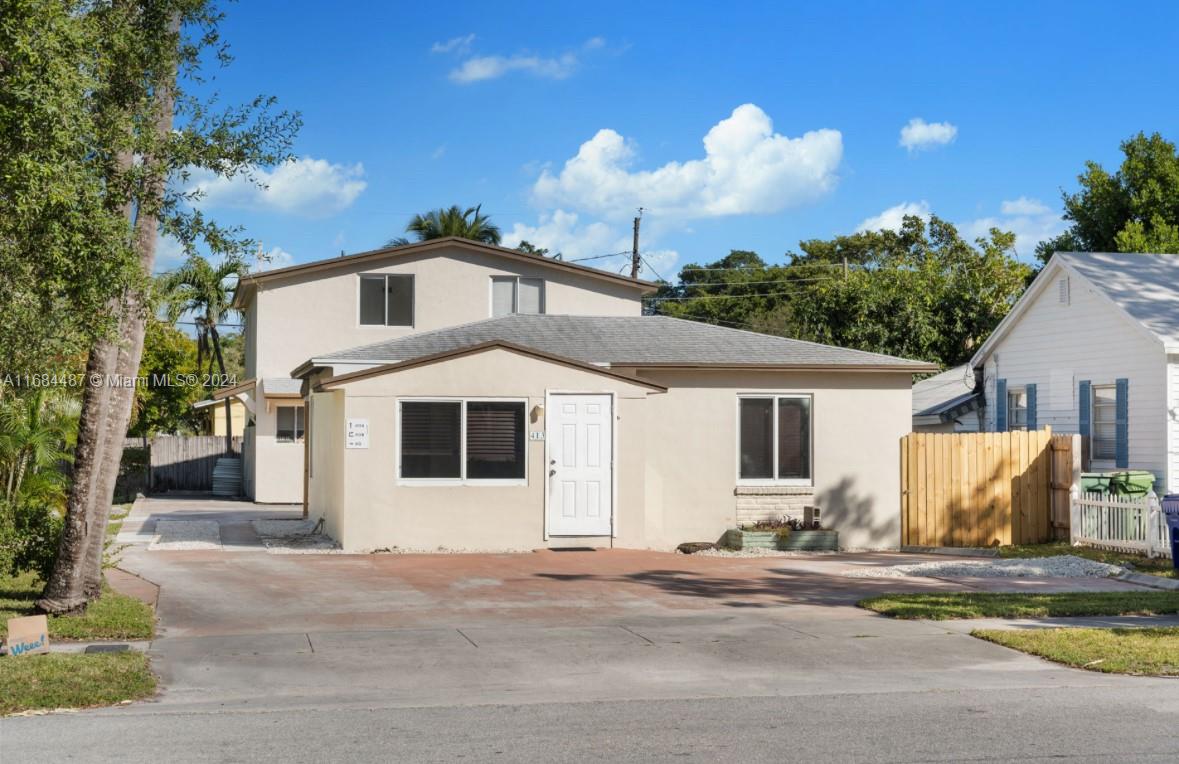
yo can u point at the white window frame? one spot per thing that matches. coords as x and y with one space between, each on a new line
1113 407
1013 392
413 303
544 288
297 440
462 480
811 455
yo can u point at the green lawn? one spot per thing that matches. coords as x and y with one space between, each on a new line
1153 652
942 606
113 616
1158 566
58 680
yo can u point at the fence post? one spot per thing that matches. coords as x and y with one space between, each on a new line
1154 514
1074 515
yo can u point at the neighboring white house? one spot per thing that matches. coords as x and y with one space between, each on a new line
1092 347
457 395
947 402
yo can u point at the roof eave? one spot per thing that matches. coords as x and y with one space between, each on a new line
646 287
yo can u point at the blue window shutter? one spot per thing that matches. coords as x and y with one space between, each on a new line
1031 395
1084 406
1123 423
1001 405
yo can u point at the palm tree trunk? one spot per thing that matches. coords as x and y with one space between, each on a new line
216 338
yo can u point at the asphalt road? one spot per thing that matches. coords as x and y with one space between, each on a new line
1066 724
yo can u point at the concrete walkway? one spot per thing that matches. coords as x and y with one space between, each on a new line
967 625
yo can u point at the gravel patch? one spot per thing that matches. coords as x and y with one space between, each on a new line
283 528
316 544
177 535
1063 566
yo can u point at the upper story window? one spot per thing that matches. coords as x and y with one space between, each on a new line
386 300
1105 422
514 294
774 439
1017 409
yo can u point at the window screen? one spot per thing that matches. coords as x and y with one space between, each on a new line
399 300
530 296
1017 410
495 440
794 438
430 439
1105 427
774 437
503 296
757 437
372 300
290 424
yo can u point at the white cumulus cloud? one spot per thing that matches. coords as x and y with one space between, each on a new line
892 218
1030 220
747 168
564 232
304 186
919 134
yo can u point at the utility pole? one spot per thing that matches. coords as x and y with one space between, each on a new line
845 269
635 260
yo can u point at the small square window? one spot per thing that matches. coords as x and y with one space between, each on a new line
774 438
386 300
1017 410
513 294
290 422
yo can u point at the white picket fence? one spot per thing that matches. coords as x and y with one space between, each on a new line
1122 523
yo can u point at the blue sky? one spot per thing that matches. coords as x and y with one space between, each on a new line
408 107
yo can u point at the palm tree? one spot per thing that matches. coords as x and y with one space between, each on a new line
466 224
37 432
207 293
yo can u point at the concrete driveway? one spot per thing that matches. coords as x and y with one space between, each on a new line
441 656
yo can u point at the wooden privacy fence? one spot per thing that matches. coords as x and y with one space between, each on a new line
986 488
182 462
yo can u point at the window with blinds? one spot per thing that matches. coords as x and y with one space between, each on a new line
462 440
495 440
774 439
512 294
289 424
430 439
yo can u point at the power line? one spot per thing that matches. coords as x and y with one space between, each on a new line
648 264
727 296
598 257
743 283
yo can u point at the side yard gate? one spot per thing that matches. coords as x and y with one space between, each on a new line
986 488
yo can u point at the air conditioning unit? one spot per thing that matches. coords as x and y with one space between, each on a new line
810 518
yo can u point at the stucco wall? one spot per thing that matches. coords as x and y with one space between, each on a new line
676 457
326 487
858 421
383 513
278 474
318 313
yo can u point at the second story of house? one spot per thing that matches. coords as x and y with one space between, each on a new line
296 313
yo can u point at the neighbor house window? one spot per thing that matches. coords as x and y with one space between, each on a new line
386 300
774 438
1017 409
290 424
512 294
462 440
1105 428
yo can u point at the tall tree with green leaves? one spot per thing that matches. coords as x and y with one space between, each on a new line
1135 209
146 133
470 223
919 292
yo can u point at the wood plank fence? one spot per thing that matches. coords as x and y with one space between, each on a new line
181 462
985 489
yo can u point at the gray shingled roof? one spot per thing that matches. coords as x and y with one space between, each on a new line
1145 286
943 392
624 341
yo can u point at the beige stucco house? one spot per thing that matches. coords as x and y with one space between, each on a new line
456 395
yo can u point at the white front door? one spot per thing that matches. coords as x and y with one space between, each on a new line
580 436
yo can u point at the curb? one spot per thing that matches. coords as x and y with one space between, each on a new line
1154 582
